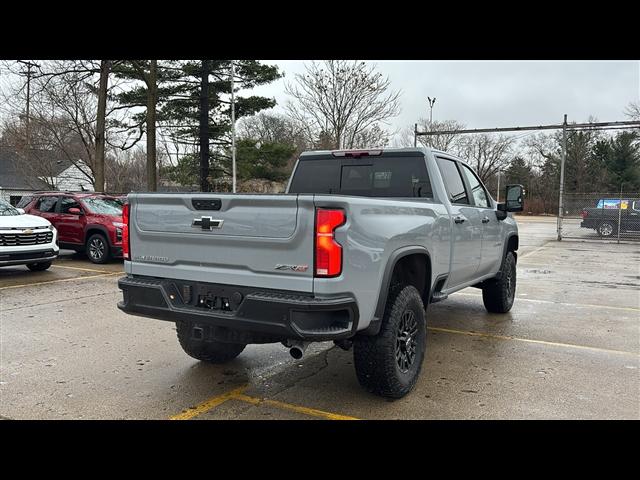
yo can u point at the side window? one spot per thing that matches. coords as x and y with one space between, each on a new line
480 197
24 201
47 204
453 181
316 176
66 203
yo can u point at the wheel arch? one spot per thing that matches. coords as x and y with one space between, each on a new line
95 228
511 244
412 265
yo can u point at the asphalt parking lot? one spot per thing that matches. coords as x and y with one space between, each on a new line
570 349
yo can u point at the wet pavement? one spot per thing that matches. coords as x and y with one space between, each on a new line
570 348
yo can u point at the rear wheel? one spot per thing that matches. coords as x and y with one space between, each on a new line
206 351
97 248
498 294
388 364
606 229
38 267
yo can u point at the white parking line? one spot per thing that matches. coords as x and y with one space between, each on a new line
586 305
60 280
81 268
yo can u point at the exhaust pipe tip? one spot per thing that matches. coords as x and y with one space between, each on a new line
296 352
296 348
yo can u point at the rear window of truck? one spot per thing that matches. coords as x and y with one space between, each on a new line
366 177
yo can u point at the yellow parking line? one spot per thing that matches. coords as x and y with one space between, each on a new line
238 394
312 412
60 280
82 269
588 305
528 340
208 405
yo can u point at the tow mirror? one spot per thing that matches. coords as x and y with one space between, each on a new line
514 203
515 198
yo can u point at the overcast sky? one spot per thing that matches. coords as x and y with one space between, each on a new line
499 93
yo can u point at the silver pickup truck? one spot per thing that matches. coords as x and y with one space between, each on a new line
361 242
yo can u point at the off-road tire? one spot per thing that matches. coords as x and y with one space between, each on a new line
207 351
498 294
376 357
38 267
97 248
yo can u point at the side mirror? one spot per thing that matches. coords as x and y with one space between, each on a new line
20 211
514 203
515 198
75 211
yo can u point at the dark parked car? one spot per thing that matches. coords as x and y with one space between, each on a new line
86 222
604 217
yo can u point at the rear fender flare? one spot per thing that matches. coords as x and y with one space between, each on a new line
394 258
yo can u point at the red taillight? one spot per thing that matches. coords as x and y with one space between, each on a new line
328 251
126 253
584 214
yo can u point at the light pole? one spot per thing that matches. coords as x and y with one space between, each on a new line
233 126
431 102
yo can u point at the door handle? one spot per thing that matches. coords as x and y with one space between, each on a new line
459 219
485 219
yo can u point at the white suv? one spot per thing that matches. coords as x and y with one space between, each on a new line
26 239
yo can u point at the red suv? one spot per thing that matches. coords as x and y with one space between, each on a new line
86 222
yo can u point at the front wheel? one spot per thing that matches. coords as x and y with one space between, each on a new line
388 364
206 351
498 294
97 248
606 229
38 267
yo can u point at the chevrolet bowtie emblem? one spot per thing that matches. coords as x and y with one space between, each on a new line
28 231
207 223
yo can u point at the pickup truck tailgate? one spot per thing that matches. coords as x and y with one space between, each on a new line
253 240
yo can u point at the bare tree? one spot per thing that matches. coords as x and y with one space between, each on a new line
127 170
633 110
271 127
448 142
68 115
487 154
342 100
105 66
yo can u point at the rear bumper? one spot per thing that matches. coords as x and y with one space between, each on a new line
257 316
22 257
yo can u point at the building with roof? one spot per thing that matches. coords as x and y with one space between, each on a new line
53 173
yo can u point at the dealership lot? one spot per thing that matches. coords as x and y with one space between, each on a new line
570 348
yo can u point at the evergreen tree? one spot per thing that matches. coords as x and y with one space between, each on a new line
623 163
154 83
182 109
261 159
518 172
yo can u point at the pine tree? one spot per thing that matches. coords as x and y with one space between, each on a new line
183 107
623 163
155 84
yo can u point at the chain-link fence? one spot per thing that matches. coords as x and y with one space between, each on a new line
601 216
